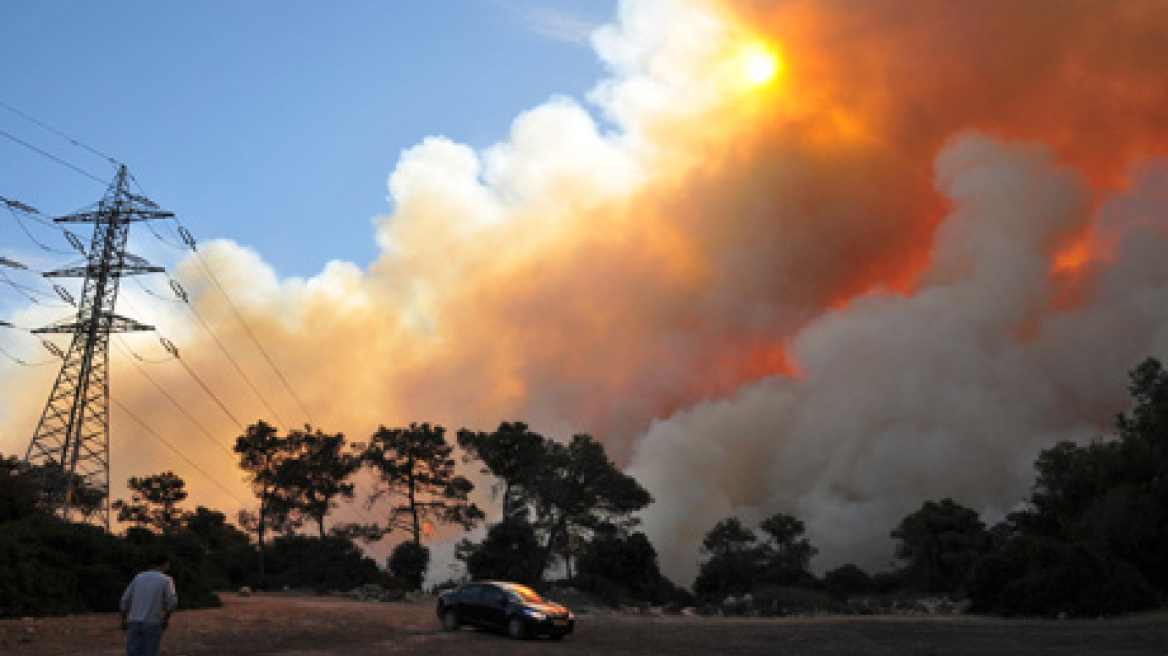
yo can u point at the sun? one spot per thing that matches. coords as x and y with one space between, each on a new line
757 64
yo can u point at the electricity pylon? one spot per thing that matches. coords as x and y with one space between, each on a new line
70 448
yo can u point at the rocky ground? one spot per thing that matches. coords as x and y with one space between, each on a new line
279 625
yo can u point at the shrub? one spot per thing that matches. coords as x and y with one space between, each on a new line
408 564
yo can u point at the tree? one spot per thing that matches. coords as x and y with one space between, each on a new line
580 490
940 544
316 473
512 453
1103 501
262 451
19 495
408 564
510 552
417 473
734 562
29 482
628 562
847 580
154 502
786 553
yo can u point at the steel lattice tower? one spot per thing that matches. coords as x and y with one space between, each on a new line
70 448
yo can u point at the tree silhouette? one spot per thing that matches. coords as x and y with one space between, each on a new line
417 474
261 453
941 542
513 454
786 552
734 562
315 474
154 502
578 491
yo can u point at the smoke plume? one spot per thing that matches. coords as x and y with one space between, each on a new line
927 249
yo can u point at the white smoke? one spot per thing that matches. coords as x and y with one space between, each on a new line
949 391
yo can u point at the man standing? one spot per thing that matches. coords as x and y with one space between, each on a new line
146 607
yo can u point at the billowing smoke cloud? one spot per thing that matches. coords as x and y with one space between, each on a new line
925 251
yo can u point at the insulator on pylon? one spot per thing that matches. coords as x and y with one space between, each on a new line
187 237
179 291
169 346
17 205
11 263
65 295
75 241
53 348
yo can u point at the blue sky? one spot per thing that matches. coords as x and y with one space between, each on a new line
274 124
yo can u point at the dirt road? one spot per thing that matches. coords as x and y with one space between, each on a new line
300 626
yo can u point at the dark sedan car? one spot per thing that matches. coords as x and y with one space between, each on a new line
509 607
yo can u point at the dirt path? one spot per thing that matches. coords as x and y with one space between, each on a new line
304 626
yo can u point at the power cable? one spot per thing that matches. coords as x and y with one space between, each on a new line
22 362
164 240
235 364
113 162
28 233
175 403
151 292
206 388
54 158
170 446
239 317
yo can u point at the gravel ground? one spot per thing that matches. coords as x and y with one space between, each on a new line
306 626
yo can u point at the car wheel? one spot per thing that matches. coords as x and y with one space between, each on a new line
450 620
515 629
557 636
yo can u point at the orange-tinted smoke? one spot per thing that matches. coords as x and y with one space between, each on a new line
826 190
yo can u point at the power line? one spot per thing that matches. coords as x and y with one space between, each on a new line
247 328
28 233
190 462
115 163
206 388
23 362
54 158
234 364
176 404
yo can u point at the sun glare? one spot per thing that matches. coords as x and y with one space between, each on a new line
758 64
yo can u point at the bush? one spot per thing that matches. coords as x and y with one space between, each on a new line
780 601
510 552
848 580
1046 577
408 563
322 564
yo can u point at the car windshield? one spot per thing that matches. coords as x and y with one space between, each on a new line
524 593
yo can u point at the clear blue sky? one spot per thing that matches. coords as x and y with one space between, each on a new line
274 123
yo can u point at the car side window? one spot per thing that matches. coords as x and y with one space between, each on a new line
493 596
471 594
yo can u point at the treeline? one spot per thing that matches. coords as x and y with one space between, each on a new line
1088 541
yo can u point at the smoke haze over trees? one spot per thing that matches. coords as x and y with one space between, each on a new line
885 279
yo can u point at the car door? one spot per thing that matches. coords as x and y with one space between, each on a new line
470 604
494 607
